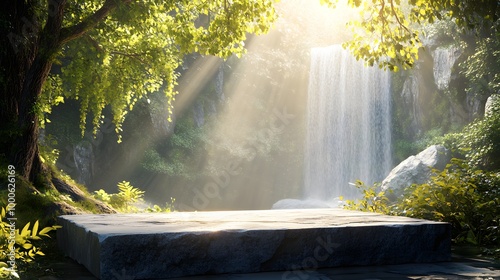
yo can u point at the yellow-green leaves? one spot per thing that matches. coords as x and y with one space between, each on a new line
374 200
395 23
391 53
22 247
383 36
139 47
124 200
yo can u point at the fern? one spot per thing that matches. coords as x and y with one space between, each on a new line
127 198
124 200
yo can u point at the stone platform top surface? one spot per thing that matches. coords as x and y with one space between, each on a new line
168 245
185 222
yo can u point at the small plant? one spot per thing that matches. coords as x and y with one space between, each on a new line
128 197
16 246
169 207
124 200
374 199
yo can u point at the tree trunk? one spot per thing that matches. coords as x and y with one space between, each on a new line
26 62
19 118
27 159
20 45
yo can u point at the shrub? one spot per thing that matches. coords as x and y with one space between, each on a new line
469 200
374 199
479 142
466 198
16 246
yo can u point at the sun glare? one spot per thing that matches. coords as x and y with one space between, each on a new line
265 92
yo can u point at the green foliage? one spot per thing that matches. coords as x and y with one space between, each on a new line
48 154
402 149
19 249
383 36
373 200
137 49
169 207
482 68
483 140
153 162
178 155
125 200
102 195
388 34
468 199
128 198
479 142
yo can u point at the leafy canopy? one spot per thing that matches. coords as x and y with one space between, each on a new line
138 48
387 32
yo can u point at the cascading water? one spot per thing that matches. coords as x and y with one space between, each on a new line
348 125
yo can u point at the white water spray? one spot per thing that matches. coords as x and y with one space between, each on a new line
348 125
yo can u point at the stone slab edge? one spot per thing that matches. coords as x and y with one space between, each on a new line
168 255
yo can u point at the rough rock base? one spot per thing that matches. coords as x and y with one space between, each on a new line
160 246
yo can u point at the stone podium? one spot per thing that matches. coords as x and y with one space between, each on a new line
162 246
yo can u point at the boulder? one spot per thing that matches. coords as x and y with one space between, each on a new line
435 156
416 169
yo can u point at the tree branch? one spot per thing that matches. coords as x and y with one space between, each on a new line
50 35
94 43
383 20
128 54
136 56
77 30
397 18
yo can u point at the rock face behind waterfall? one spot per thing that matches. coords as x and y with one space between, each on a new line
416 169
490 104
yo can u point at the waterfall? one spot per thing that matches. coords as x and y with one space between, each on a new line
348 125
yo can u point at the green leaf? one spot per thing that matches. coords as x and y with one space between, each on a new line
45 231
34 231
25 231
